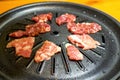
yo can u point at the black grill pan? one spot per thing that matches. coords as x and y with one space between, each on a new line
102 63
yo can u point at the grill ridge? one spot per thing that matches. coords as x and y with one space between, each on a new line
29 63
101 47
27 19
80 65
19 58
96 52
21 24
53 60
88 57
40 67
65 59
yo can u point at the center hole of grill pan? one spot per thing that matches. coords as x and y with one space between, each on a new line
56 33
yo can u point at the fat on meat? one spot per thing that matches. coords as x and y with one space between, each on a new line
42 17
47 50
65 18
23 46
83 41
73 52
83 28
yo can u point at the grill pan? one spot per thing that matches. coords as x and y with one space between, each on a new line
102 63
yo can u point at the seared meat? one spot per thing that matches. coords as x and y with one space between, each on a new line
47 50
65 18
32 30
83 41
23 46
83 28
42 17
73 52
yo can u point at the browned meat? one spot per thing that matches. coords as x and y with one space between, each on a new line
83 41
36 29
17 34
32 30
42 17
47 50
73 52
83 28
65 18
23 46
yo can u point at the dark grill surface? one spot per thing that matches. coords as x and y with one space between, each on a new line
98 63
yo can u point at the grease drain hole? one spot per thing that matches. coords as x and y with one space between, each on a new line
56 33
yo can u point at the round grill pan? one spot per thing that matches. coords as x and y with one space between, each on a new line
102 63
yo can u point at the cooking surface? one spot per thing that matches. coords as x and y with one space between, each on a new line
100 63
111 7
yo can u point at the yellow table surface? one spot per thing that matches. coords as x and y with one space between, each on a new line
111 7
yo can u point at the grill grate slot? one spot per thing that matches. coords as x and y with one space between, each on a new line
65 60
40 67
53 65
22 24
88 57
8 38
96 52
10 51
56 15
30 20
29 63
49 22
80 65
37 44
103 39
19 58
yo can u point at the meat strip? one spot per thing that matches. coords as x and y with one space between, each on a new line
65 18
47 50
32 30
23 46
18 34
73 52
83 28
83 41
36 29
43 17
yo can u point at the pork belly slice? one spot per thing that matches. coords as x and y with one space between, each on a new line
65 18
23 46
47 50
83 28
73 52
83 41
32 30
43 17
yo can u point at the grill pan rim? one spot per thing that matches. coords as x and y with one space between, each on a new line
61 2
29 5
